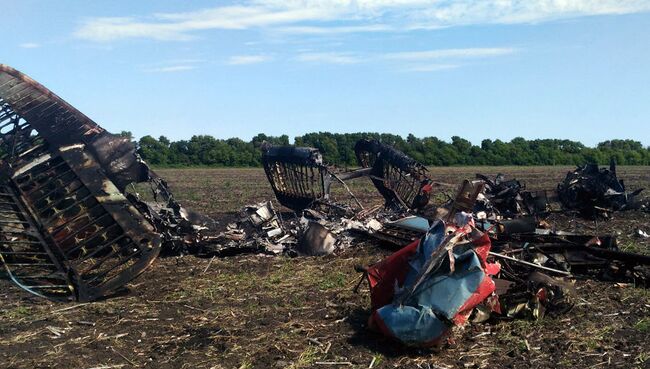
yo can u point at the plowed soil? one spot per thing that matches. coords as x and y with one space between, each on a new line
255 311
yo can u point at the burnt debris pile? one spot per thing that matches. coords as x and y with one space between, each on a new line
81 215
595 191
490 241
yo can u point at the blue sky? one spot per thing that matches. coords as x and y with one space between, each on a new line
478 69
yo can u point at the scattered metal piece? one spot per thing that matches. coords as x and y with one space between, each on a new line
641 233
596 191
533 265
502 196
465 199
317 240
589 190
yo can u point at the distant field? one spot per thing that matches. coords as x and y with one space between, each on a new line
221 190
254 311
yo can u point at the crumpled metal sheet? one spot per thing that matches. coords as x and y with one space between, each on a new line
421 291
509 198
504 196
67 229
317 240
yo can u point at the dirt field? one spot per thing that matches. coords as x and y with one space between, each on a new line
277 312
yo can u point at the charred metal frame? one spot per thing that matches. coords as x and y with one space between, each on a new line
67 231
401 180
300 179
297 175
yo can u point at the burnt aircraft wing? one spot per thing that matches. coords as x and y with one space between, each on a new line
67 230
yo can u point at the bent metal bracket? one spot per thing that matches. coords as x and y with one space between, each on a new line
68 229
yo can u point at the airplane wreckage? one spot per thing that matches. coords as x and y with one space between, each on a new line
82 215
71 225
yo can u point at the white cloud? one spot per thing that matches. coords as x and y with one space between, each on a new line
431 67
345 16
108 29
30 45
248 59
416 60
313 30
178 26
329 58
458 13
178 61
171 68
451 53
173 65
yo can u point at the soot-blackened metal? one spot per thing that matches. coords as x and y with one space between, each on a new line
67 230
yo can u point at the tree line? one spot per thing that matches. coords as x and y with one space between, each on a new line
338 149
